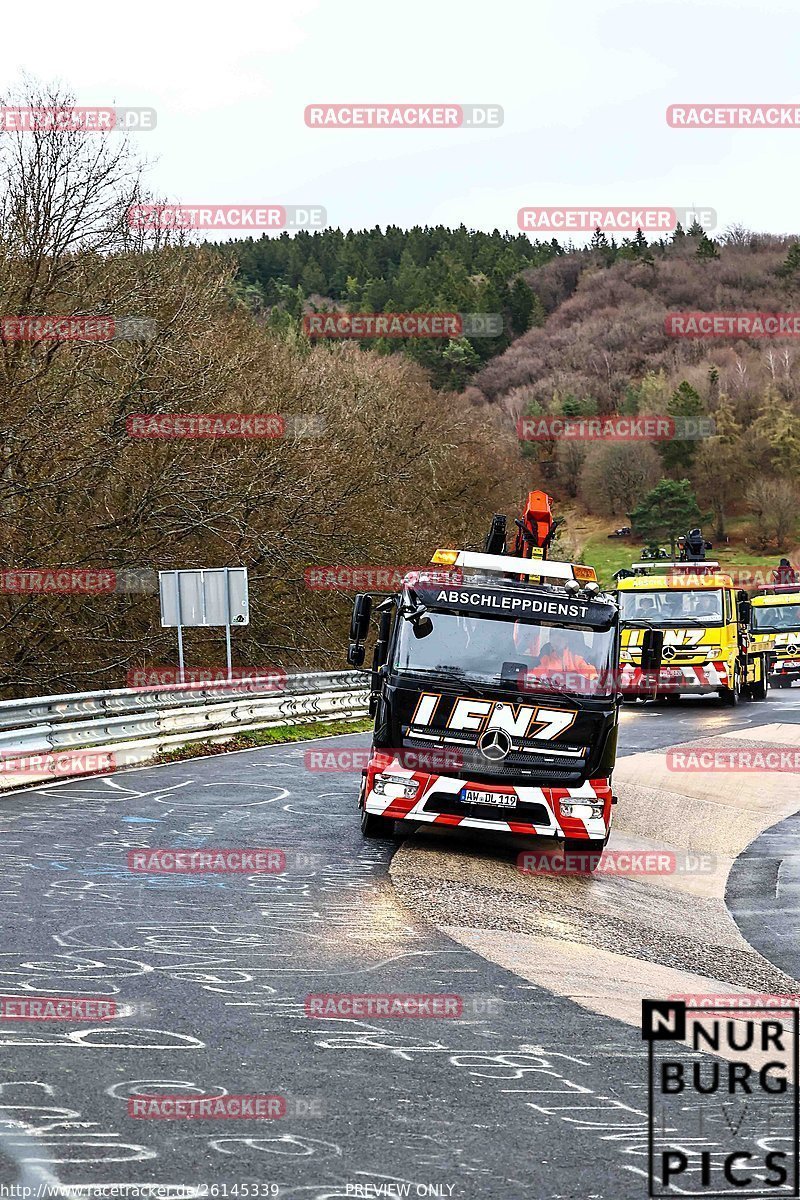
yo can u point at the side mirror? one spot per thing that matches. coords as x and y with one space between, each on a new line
421 627
745 611
652 649
359 621
355 654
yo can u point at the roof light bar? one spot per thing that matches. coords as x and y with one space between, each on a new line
507 564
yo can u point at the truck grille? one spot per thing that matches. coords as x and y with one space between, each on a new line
516 767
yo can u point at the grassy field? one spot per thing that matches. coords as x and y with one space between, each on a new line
607 555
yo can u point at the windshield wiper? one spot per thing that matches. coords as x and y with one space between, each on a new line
446 672
668 622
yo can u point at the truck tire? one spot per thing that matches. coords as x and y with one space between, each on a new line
373 826
731 696
758 691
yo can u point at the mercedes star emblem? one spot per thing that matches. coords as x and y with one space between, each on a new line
494 744
669 652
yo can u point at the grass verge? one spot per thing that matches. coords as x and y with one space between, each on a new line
275 735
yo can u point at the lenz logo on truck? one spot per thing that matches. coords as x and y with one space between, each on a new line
469 715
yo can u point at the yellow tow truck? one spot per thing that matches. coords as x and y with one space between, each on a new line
775 627
707 641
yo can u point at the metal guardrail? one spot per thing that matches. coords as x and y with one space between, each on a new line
132 725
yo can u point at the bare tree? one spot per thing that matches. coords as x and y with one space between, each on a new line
774 505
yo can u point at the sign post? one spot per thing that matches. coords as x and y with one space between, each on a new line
203 598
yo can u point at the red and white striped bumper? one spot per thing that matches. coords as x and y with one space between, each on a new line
699 678
786 666
538 810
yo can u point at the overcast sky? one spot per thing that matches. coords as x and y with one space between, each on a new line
584 85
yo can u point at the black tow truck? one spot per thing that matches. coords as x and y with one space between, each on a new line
494 689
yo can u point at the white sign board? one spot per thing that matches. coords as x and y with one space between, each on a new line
212 596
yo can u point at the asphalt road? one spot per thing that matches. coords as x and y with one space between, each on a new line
524 1095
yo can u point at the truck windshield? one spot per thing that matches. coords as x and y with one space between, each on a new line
672 606
776 616
532 656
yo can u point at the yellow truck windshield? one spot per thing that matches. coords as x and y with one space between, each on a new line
775 617
671 606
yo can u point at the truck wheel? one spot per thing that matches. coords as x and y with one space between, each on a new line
731 696
373 826
758 691
590 850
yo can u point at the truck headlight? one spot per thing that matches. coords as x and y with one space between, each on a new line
395 786
583 809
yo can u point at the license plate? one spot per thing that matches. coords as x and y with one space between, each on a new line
496 799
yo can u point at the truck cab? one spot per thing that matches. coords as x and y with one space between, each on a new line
775 628
706 625
494 693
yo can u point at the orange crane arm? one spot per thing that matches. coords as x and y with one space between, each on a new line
537 526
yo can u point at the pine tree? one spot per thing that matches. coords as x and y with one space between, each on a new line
521 300
777 428
640 243
667 512
685 406
713 386
313 280
461 359
679 236
721 463
791 264
539 312
706 249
